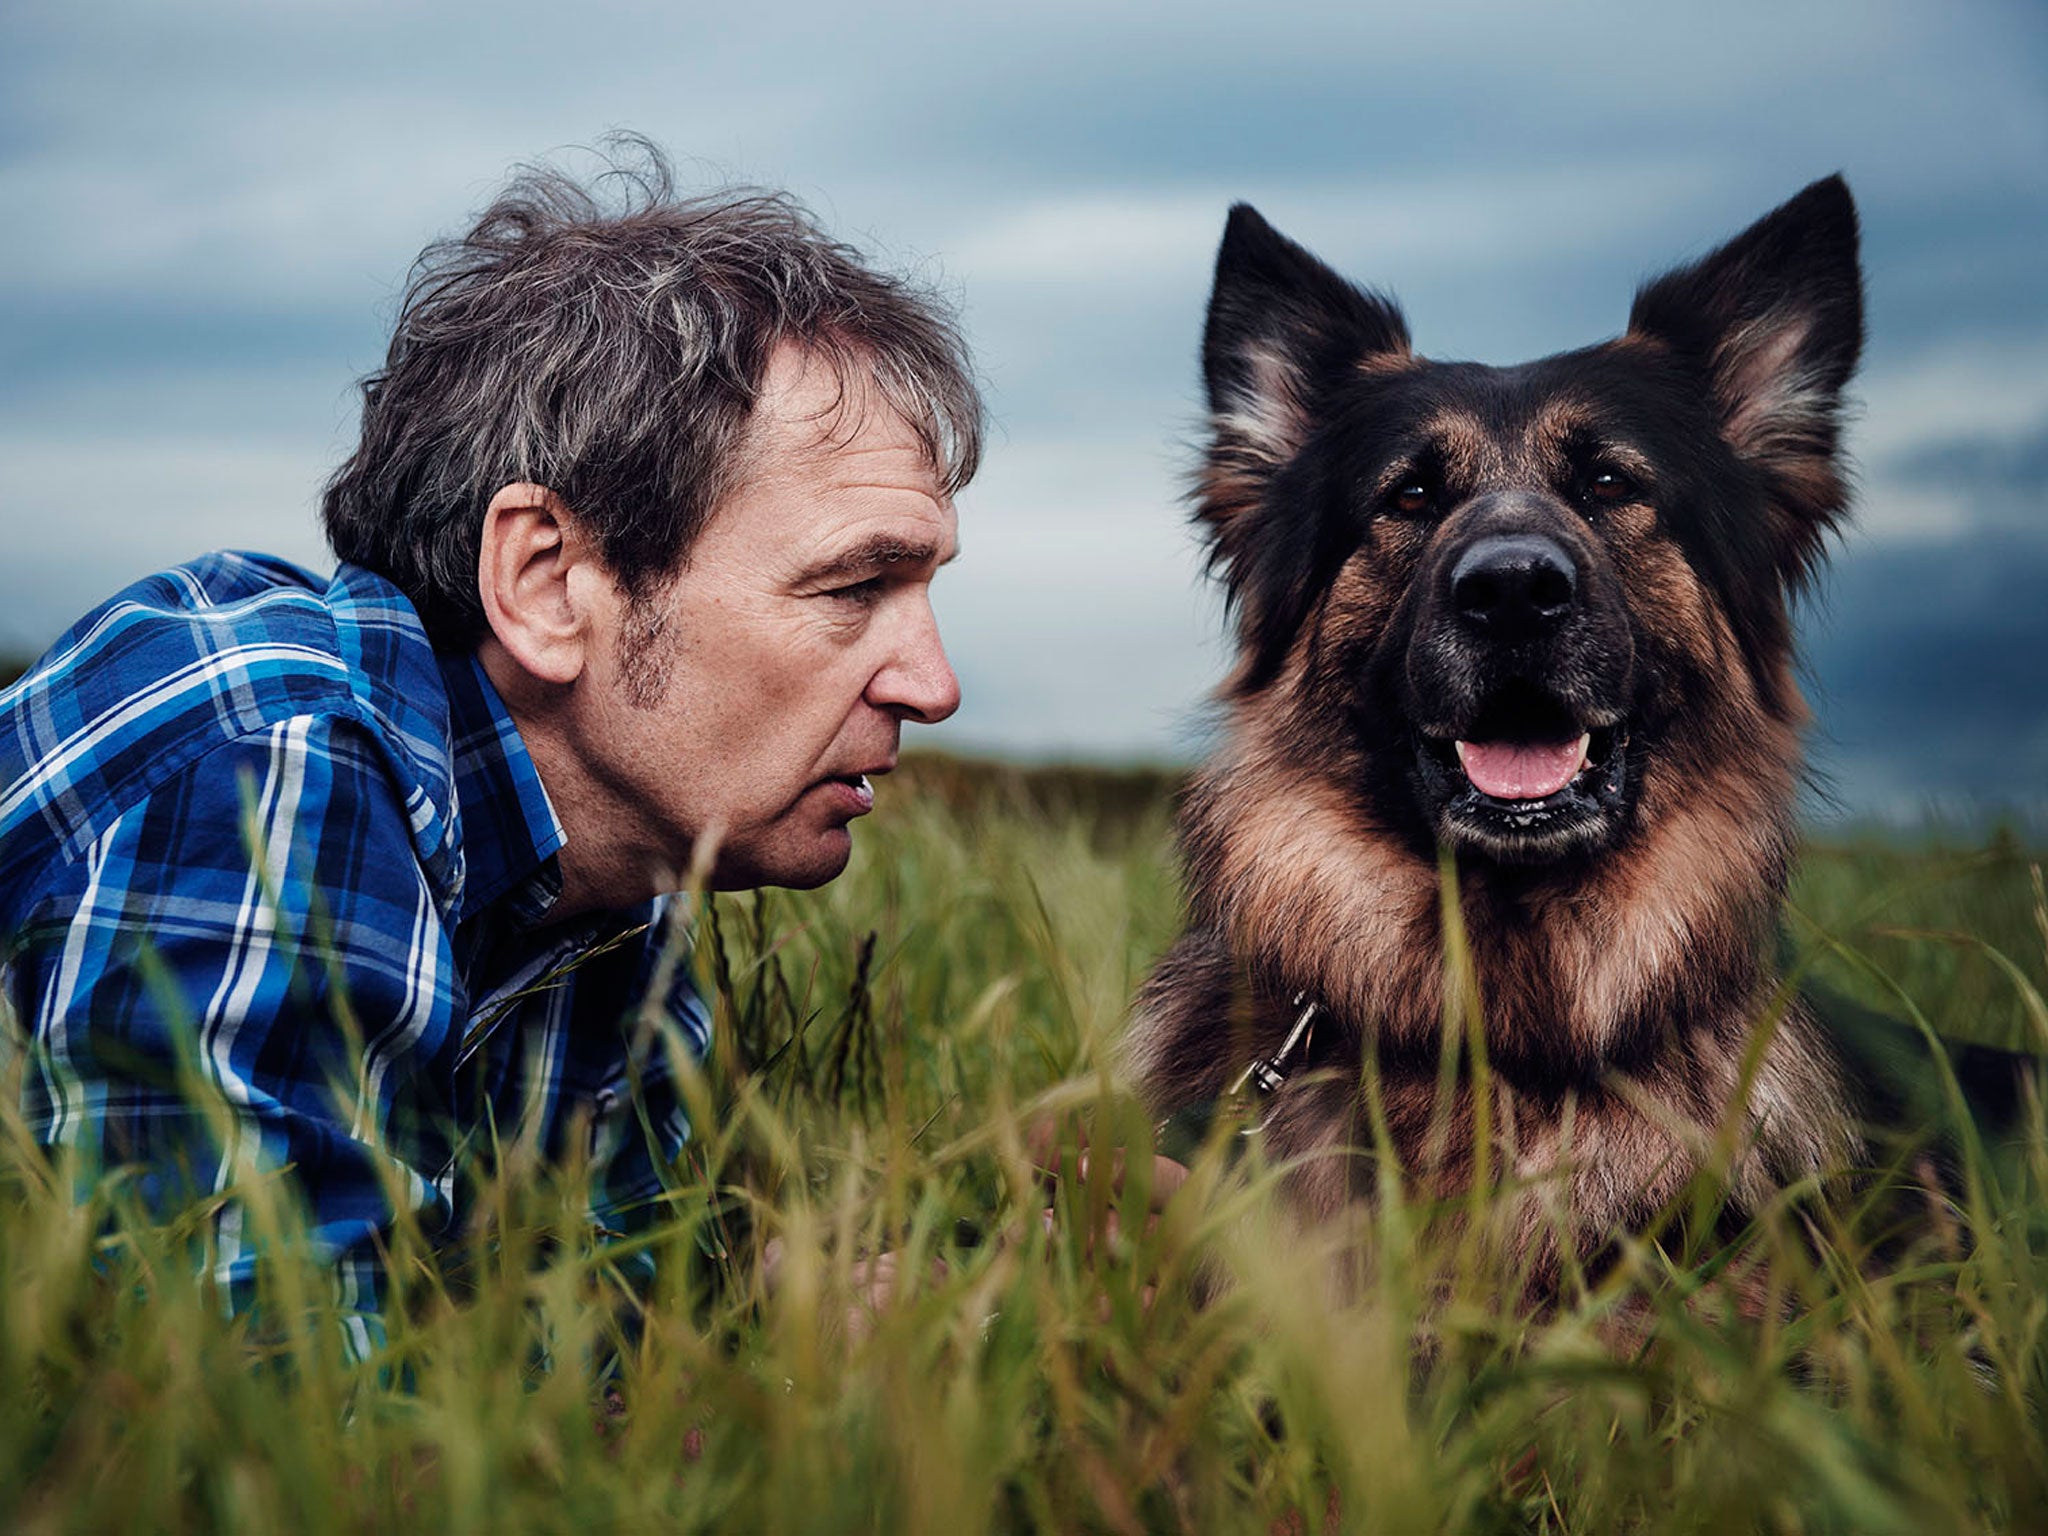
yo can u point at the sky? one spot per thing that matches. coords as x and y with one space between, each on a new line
211 208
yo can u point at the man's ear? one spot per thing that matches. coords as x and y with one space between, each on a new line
529 578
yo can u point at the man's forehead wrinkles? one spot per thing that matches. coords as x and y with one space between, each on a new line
918 482
867 467
840 436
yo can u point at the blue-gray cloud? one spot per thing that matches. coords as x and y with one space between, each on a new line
2005 470
212 206
1927 677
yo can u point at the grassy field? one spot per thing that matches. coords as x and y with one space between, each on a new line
886 1044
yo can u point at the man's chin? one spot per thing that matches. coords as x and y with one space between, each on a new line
819 858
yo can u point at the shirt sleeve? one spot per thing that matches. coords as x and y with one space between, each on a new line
247 972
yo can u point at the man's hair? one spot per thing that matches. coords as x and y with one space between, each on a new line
615 356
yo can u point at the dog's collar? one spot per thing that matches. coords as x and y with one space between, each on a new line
1267 1073
1183 1133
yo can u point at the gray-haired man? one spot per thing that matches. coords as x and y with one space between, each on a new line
636 551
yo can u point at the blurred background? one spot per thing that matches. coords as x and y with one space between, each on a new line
209 210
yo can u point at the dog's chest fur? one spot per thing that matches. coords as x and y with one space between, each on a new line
1618 1039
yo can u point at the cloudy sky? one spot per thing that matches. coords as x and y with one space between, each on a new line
210 207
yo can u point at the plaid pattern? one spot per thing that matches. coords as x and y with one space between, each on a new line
256 835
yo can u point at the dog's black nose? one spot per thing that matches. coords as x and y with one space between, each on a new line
1514 586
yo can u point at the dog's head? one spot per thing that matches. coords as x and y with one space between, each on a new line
1511 597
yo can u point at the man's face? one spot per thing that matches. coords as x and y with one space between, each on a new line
752 698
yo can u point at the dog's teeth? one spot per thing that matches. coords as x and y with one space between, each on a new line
1585 751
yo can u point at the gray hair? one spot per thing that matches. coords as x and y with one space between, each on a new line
615 356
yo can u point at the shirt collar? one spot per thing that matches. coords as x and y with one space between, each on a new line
510 833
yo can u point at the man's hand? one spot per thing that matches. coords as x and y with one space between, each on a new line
1157 1179
1058 1149
875 1283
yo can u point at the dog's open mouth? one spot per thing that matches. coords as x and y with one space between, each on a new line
1525 781
1523 770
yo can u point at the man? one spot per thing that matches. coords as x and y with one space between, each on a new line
635 556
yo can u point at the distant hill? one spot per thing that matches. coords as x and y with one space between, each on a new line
1115 802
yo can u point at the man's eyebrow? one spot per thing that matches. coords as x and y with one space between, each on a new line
881 550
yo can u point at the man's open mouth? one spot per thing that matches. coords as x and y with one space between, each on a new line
1524 782
863 789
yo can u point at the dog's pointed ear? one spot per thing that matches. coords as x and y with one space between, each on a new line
1282 325
1775 320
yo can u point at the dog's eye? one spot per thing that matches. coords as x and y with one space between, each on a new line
1610 487
1410 498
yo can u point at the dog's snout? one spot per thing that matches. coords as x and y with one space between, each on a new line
1514 586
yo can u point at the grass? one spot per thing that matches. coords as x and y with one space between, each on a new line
906 1027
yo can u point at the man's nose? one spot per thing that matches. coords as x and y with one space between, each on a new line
917 682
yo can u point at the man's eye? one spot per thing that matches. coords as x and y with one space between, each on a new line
861 592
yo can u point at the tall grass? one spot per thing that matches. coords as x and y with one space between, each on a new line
886 1045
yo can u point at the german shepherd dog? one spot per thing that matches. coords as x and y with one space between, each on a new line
1534 619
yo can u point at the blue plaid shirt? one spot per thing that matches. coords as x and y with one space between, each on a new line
252 823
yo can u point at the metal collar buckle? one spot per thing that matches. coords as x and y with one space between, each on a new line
1268 1072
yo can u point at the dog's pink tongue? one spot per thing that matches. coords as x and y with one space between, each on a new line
1521 770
